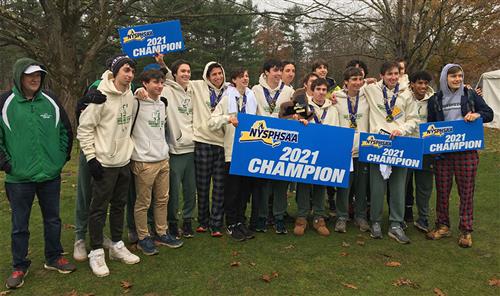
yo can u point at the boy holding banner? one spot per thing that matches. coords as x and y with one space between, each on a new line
353 110
391 113
455 102
324 112
420 92
270 93
237 99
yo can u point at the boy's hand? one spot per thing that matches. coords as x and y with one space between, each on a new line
234 121
470 117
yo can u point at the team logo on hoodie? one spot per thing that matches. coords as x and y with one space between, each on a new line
371 141
132 35
433 131
269 136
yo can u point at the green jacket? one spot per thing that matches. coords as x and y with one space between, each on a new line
35 135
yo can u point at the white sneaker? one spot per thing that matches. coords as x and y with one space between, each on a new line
119 252
79 250
106 242
97 263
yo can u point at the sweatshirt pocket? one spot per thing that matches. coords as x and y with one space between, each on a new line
121 152
158 149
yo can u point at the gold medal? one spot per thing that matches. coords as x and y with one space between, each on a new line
389 118
353 125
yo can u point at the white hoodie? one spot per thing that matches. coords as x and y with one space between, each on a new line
421 107
202 109
284 96
179 117
104 130
362 116
149 131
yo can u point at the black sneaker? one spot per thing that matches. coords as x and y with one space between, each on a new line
245 231
173 229
235 233
62 265
280 227
261 225
187 230
16 279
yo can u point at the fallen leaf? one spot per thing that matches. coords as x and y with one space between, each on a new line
405 282
126 285
235 253
360 242
344 254
392 264
289 247
350 286
345 245
252 264
274 274
88 294
266 278
439 292
235 263
64 181
73 185
494 282
3 293
69 226
72 293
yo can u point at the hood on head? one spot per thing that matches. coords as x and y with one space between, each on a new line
20 66
107 84
443 80
205 74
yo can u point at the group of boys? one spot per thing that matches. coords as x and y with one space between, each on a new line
175 135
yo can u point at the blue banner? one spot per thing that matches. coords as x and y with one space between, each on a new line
146 40
452 136
401 151
281 149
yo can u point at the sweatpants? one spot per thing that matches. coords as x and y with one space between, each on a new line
278 189
423 188
112 191
358 181
151 178
310 196
182 176
83 197
462 165
378 187
210 168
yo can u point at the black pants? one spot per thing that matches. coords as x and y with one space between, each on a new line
112 190
237 190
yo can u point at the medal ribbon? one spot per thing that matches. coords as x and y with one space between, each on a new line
389 109
353 111
243 105
214 98
316 119
271 101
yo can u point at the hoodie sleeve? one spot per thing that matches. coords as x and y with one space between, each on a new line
481 107
218 119
86 129
411 122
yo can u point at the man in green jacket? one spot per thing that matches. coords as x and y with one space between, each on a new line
35 143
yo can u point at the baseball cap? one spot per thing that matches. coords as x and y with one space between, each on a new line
33 69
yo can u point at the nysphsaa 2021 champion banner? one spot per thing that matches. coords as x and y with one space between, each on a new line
287 150
452 136
401 151
147 40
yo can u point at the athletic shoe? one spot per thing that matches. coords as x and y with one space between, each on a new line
79 251
235 233
422 225
261 225
376 231
438 233
397 233
320 226
280 227
16 279
147 246
465 240
187 230
133 238
62 265
106 242
362 224
201 229
245 231
97 263
173 229
169 241
341 225
215 231
120 253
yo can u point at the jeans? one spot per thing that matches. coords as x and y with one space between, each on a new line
21 196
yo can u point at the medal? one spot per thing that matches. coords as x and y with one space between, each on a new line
271 101
353 125
214 99
353 111
389 118
389 108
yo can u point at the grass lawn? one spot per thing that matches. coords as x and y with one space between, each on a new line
309 265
